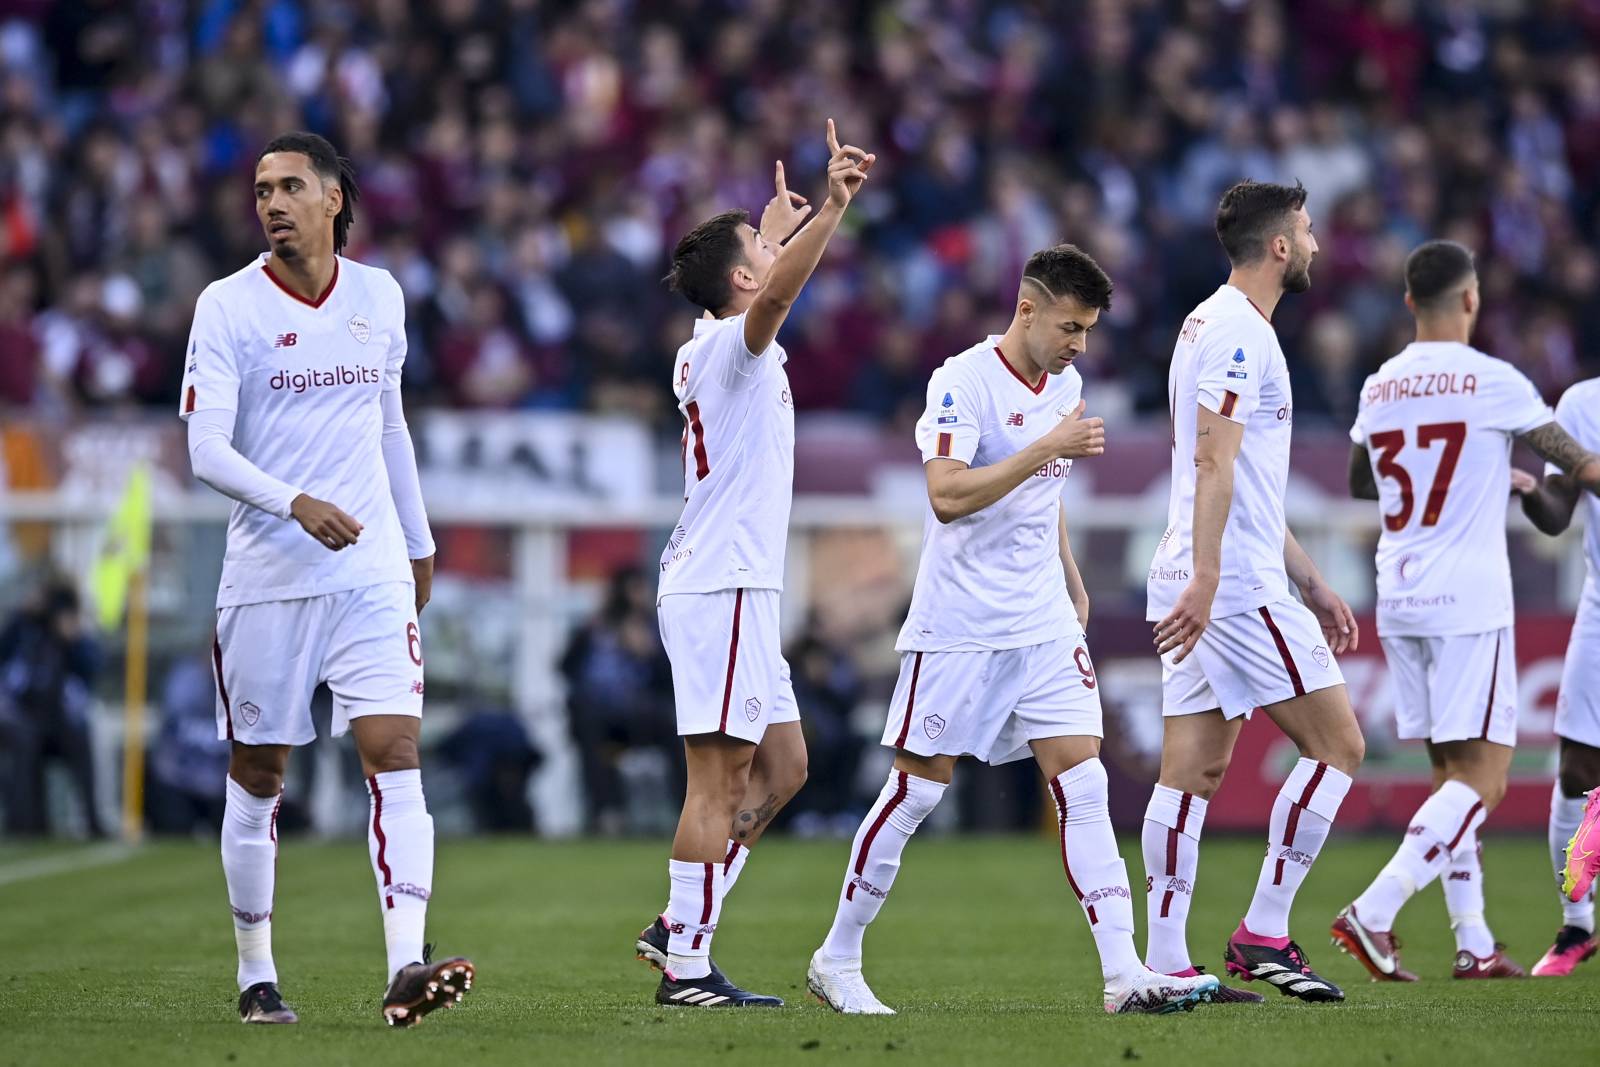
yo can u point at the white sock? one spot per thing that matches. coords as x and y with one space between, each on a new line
693 905
400 843
738 856
250 864
1565 815
1171 840
1302 815
1463 898
1094 869
875 858
1444 821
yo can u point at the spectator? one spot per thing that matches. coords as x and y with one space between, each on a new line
619 700
48 663
187 764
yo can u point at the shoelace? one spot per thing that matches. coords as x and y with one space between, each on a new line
1298 955
427 952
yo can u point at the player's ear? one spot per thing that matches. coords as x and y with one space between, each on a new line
1025 310
743 279
335 200
1411 305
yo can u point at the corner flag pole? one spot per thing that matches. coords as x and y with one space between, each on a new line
134 685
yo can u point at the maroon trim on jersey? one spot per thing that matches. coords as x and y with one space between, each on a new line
1488 707
911 702
733 658
189 401
1283 650
701 466
1229 400
1035 389
1061 812
1253 304
705 910
222 687
900 790
383 842
319 301
944 446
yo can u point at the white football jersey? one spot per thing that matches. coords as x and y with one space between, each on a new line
304 380
1438 420
1228 359
994 579
1578 412
738 463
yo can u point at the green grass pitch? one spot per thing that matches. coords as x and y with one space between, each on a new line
981 947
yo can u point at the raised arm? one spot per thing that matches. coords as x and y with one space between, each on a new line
1362 484
956 490
847 170
1555 445
1075 590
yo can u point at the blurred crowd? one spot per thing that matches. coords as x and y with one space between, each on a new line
528 164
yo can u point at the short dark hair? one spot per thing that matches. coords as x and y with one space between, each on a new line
1435 268
704 257
1252 213
1067 270
330 167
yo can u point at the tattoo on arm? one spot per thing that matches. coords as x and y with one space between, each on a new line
751 820
1555 445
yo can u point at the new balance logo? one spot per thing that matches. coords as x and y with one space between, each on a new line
1014 419
416 687
676 928
286 340
1460 876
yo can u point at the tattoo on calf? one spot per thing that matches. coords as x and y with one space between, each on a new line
751 820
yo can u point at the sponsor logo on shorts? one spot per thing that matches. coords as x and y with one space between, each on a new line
360 328
868 888
1320 654
933 726
250 713
752 709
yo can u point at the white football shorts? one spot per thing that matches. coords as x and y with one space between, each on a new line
1457 688
728 671
1244 661
991 704
1578 706
269 657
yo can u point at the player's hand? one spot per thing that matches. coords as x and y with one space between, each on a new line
1182 627
784 212
1076 437
422 573
326 523
847 169
1338 622
1523 483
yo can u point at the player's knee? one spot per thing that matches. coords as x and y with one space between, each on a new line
1202 777
394 754
1492 792
256 779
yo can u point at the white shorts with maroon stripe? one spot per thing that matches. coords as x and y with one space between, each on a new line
992 704
1244 661
728 671
1578 707
270 657
1457 688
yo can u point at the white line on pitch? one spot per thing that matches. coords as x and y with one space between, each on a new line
79 860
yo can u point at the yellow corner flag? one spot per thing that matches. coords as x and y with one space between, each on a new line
119 588
126 549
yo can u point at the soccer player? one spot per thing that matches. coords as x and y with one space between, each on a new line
292 398
1549 504
993 658
1230 635
722 569
1433 441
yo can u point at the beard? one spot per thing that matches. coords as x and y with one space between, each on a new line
1297 276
